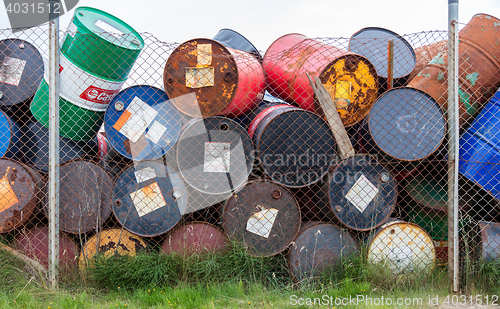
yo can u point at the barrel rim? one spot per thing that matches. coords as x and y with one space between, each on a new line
258 55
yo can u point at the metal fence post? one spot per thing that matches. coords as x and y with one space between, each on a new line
53 149
453 137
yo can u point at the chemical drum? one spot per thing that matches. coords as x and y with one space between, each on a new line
214 155
319 247
350 79
84 198
21 71
141 123
372 43
263 216
34 243
204 78
149 198
235 40
20 194
405 247
195 238
490 241
295 147
110 242
362 193
10 137
35 146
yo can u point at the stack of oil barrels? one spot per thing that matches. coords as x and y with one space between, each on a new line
237 147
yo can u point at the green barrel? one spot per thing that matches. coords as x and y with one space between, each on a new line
102 44
434 223
75 123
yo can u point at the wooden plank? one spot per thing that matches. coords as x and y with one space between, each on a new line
332 116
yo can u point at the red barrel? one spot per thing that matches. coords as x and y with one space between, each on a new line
34 243
194 238
350 79
204 78
264 216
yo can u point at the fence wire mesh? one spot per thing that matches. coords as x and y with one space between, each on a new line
183 147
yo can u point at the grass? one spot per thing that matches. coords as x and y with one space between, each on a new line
231 279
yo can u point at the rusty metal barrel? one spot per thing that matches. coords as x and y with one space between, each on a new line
424 54
404 247
149 198
263 216
295 147
34 243
20 194
350 79
109 242
318 247
490 240
204 78
195 238
479 67
84 198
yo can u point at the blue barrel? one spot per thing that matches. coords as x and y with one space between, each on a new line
141 123
10 137
480 148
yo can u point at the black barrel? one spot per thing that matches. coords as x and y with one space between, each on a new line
149 198
84 198
233 39
214 155
264 216
21 72
295 147
35 147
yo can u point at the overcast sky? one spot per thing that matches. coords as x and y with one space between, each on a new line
262 22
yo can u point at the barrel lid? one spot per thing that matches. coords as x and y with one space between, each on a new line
21 70
371 42
149 198
141 123
407 124
233 39
108 27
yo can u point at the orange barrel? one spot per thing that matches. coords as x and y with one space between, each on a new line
204 78
263 216
319 247
424 54
372 43
20 194
149 198
34 243
350 79
195 238
109 242
404 247
84 198
479 68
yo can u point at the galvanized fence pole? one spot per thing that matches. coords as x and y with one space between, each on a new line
453 137
53 149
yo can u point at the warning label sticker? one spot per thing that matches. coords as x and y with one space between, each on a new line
135 119
362 193
148 199
217 157
262 222
11 70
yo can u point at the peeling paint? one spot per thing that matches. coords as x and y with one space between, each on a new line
472 78
440 75
496 24
465 98
439 59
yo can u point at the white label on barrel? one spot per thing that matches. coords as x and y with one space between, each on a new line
108 28
156 132
11 70
148 199
145 174
362 193
136 119
261 223
204 54
199 77
401 258
217 157
72 29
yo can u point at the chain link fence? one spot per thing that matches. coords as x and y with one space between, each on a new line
181 148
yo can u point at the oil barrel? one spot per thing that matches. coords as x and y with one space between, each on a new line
490 240
350 79
85 192
424 54
204 78
10 137
295 147
263 216
319 247
20 194
141 123
372 43
149 198
235 40
214 155
195 238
